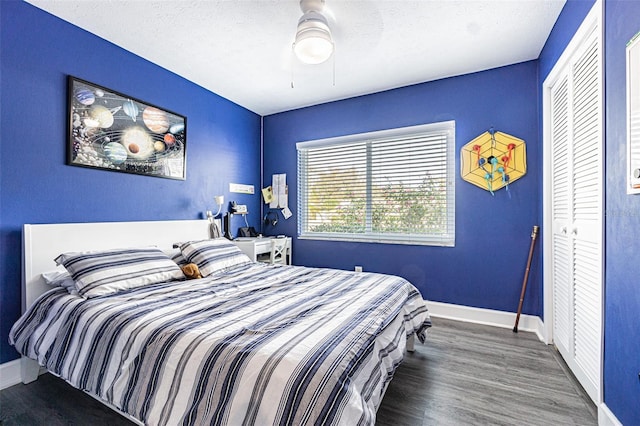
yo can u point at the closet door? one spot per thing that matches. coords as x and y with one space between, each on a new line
561 212
576 212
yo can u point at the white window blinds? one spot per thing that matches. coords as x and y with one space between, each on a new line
394 186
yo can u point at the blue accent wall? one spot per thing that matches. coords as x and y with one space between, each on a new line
622 265
621 386
37 53
573 13
486 267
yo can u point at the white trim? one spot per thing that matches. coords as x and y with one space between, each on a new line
486 317
443 126
44 242
633 44
439 141
606 417
593 20
10 374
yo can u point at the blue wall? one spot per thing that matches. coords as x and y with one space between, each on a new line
38 52
622 217
566 25
622 288
486 266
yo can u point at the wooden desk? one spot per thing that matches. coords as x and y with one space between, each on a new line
253 247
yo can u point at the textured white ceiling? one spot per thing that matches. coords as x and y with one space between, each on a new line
241 49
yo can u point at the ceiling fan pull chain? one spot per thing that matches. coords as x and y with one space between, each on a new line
334 66
291 62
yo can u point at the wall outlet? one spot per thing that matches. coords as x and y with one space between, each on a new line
358 268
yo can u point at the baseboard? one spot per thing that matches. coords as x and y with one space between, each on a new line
487 317
10 374
10 371
606 417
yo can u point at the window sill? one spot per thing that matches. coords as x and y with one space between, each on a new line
380 240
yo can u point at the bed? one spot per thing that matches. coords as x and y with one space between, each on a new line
249 343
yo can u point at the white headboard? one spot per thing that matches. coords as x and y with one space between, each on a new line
43 243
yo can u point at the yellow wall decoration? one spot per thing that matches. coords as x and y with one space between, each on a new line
493 160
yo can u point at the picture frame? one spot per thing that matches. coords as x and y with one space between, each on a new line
112 131
633 115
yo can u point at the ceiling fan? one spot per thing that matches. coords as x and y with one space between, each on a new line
313 43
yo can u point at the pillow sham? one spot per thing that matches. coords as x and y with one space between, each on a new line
60 278
97 273
179 259
213 255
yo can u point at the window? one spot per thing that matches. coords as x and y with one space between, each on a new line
393 186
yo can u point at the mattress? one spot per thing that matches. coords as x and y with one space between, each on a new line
254 344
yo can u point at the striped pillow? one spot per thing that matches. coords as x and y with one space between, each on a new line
97 273
213 255
178 258
60 278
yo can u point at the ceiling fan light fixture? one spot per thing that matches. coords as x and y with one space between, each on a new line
313 44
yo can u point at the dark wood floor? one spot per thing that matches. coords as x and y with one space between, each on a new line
466 374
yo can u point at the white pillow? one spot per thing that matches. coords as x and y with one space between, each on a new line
98 273
177 257
213 255
60 278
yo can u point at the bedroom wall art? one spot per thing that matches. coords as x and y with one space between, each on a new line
633 115
112 131
493 160
37 184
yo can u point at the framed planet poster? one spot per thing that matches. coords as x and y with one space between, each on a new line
112 131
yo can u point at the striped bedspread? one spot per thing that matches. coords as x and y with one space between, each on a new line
257 344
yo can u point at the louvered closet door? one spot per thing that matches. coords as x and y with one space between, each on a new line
561 215
576 211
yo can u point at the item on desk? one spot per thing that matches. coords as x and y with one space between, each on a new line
267 194
227 226
238 208
214 229
286 213
247 231
271 218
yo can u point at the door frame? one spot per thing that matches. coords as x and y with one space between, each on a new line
593 19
